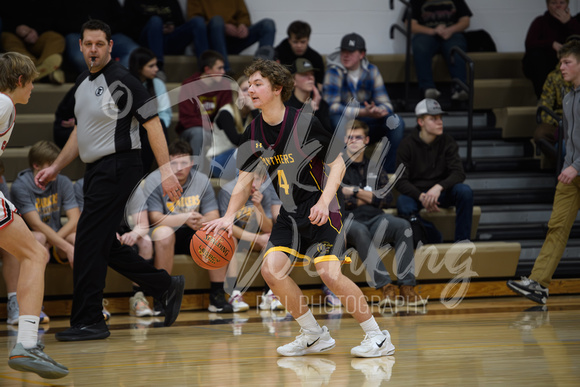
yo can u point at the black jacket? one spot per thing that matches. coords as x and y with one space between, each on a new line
428 164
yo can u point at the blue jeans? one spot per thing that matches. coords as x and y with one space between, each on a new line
460 196
263 32
392 126
224 165
122 48
192 31
200 141
425 47
360 236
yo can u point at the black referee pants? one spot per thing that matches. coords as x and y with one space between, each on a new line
107 186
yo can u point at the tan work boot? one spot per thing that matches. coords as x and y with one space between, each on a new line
49 65
410 297
390 296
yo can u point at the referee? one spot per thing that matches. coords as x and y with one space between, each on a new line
106 137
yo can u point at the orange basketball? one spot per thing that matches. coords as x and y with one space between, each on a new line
212 250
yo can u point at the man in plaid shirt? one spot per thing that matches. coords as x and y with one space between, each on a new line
350 75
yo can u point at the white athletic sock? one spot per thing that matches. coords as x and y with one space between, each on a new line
370 326
308 322
11 294
28 331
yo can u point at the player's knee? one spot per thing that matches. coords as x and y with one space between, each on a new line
275 268
329 275
164 237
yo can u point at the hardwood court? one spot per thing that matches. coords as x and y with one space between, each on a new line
499 341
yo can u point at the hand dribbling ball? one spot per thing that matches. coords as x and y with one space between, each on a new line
212 250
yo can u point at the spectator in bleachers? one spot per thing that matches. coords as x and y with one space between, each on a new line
296 45
305 88
545 37
566 204
72 16
176 222
229 125
350 75
161 26
29 31
368 219
42 208
253 223
433 175
553 92
229 27
143 64
436 26
202 96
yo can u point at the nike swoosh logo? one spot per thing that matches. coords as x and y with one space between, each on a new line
308 345
381 344
32 322
169 297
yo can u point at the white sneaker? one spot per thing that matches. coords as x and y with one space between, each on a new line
375 344
311 371
139 306
270 302
375 370
307 343
237 302
13 311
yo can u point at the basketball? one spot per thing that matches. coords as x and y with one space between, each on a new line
212 250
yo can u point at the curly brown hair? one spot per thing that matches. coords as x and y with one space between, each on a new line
277 74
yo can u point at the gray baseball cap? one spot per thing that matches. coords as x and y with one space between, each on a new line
428 106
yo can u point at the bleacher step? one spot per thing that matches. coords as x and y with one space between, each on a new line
513 196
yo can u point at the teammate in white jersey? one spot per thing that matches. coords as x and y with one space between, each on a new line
16 75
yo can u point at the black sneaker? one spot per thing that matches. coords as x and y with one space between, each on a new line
158 309
529 289
171 300
96 331
218 303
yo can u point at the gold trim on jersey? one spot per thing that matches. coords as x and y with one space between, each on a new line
305 260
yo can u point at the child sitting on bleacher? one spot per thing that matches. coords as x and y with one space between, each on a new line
42 209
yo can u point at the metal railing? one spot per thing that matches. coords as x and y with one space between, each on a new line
469 164
407 33
559 159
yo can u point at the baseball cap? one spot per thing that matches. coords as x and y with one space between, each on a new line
301 66
428 106
352 42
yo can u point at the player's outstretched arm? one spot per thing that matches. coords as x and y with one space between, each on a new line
319 213
240 195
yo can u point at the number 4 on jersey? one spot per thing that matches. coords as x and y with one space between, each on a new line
283 182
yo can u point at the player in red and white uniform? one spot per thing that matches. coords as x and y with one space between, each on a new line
16 75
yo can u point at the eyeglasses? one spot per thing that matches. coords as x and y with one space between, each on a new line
355 138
